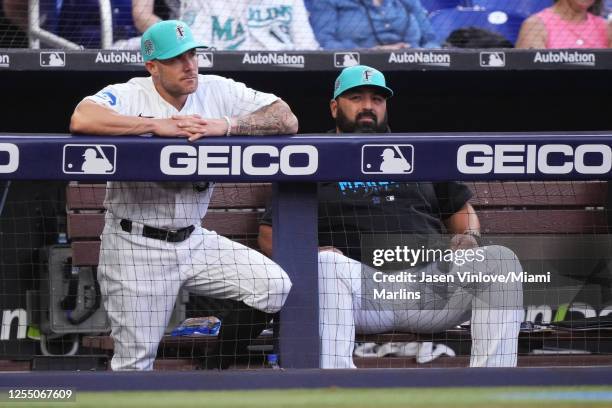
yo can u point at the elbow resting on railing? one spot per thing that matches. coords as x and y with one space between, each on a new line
77 123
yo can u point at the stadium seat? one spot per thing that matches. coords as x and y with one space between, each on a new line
49 14
523 8
430 5
435 5
123 24
446 21
308 4
607 9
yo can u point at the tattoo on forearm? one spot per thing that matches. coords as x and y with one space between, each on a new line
272 119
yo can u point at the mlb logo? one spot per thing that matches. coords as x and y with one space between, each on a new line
346 59
89 159
387 159
492 59
52 59
205 59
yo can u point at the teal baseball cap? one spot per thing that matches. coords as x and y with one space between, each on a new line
360 75
167 39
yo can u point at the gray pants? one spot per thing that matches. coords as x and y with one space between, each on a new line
347 305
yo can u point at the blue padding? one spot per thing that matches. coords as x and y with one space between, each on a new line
310 158
287 379
434 5
523 8
446 21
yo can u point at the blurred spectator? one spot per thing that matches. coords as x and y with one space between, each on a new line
17 12
13 24
567 24
379 24
144 13
277 25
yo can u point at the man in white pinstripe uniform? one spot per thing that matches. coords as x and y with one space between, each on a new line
153 244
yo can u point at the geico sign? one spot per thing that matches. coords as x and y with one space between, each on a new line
529 159
235 160
12 164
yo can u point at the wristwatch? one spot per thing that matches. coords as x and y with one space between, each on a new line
476 235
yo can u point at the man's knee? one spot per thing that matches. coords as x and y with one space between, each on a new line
506 293
278 287
338 273
333 265
281 286
331 257
499 252
501 260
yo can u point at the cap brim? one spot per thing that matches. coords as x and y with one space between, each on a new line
387 91
179 50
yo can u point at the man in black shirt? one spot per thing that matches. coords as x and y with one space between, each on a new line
385 262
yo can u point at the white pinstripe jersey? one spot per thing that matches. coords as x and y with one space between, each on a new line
179 204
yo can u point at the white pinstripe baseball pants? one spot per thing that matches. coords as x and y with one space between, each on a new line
496 309
141 277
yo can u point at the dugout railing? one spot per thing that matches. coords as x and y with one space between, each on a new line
297 163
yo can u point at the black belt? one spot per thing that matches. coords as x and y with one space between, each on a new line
178 235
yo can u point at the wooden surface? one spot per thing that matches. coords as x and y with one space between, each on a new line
557 360
226 195
538 221
494 193
234 212
90 225
503 208
539 193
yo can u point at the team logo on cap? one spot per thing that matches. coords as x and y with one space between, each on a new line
367 75
149 48
337 84
180 32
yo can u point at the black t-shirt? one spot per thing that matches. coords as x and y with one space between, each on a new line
348 210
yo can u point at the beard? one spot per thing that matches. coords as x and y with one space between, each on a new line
347 125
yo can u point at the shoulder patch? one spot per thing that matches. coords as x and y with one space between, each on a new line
107 97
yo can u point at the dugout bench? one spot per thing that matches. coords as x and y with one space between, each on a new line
543 208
